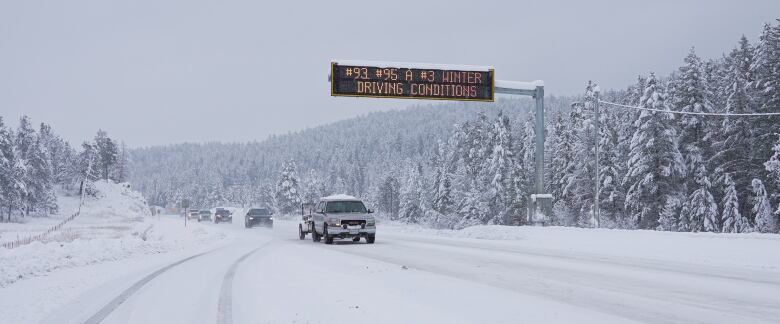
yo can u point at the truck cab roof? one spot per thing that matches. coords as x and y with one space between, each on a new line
340 197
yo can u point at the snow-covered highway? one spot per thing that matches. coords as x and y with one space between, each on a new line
270 276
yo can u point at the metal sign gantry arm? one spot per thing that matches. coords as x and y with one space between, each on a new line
538 94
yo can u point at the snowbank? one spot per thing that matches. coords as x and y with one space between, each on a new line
114 202
751 250
114 224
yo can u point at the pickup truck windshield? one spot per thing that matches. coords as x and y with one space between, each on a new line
345 207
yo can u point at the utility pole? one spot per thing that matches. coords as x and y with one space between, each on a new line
596 208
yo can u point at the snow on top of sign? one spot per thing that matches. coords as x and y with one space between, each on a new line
409 65
519 85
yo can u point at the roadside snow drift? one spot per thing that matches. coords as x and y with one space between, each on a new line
114 224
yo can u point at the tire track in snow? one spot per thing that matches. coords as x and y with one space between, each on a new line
225 303
127 293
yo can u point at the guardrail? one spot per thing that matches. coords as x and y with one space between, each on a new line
40 236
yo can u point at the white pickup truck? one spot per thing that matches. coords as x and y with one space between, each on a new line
338 217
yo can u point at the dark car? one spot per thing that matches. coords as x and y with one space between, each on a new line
204 215
259 216
222 216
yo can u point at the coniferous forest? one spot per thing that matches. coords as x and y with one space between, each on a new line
35 164
463 164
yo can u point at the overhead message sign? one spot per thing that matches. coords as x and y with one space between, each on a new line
412 81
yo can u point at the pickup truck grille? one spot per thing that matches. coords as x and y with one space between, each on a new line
353 222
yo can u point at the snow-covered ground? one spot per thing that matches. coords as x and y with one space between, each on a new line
113 233
31 225
753 250
116 224
484 274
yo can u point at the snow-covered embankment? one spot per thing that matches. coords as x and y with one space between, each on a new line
114 224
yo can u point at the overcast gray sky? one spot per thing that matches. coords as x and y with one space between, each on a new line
159 72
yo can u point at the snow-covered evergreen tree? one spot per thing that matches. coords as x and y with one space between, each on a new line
766 71
412 207
583 174
390 196
702 212
674 215
562 157
122 164
288 193
691 96
501 192
612 195
762 211
735 153
733 221
40 186
107 153
773 167
655 164
11 184
443 200
571 169
313 187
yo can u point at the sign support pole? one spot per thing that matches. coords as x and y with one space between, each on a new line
539 96
596 207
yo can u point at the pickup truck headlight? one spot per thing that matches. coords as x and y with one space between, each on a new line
334 222
371 223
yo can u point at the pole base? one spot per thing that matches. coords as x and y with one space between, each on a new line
539 209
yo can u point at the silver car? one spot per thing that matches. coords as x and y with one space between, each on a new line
339 217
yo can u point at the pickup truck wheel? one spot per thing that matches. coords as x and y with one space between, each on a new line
328 238
370 239
314 236
301 234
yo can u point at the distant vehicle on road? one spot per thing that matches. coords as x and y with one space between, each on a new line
223 215
261 216
339 217
204 216
193 214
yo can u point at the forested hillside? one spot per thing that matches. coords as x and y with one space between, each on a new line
34 164
347 156
455 165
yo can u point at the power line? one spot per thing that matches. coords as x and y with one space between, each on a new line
691 112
